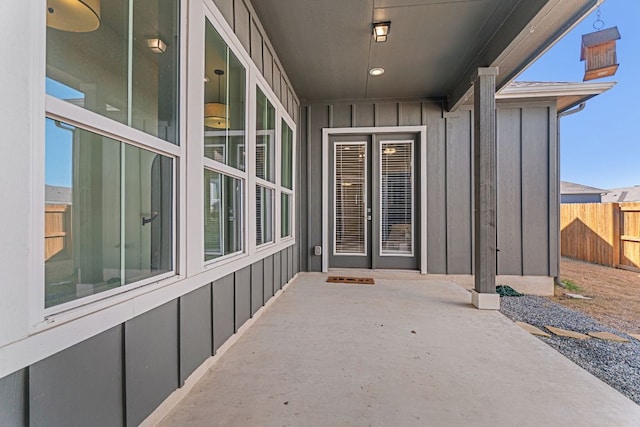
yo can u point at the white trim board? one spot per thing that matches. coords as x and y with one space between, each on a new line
326 134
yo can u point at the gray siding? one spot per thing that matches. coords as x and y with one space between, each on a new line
269 289
527 175
277 272
535 191
257 286
121 375
436 189
509 194
459 194
151 361
223 310
81 385
13 399
196 330
242 296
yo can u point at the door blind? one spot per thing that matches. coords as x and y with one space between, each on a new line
350 199
396 198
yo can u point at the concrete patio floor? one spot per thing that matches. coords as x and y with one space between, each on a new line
407 351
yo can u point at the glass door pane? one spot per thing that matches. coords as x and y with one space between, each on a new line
396 198
350 204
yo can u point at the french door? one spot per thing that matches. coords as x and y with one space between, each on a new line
374 202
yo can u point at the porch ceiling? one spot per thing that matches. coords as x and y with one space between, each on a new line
433 48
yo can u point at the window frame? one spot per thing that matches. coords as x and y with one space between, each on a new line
292 191
214 165
189 270
273 100
41 317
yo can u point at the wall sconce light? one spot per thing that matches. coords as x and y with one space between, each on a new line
156 44
215 113
381 31
76 16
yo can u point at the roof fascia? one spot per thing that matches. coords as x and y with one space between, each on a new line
517 48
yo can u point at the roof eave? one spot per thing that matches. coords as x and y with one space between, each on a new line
519 54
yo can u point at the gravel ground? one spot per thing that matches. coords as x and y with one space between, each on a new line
617 364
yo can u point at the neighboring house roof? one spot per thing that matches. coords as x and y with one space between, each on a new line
57 195
568 94
573 188
619 195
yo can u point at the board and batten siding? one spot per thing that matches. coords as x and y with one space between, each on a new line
120 376
527 176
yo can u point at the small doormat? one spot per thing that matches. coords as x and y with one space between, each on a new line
351 280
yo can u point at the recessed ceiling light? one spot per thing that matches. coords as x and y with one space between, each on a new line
376 71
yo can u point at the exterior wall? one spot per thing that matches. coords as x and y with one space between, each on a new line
527 181
113 365
580 198
120 376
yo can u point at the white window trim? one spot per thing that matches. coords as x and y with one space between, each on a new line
41 318
294 175
89 316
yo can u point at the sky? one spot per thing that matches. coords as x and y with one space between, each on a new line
58 148
599 146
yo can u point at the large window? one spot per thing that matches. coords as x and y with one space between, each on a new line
224 148
224 102
264 215
108 213
286 179
287 156
265 171
265 137
122 65
109 188
223 224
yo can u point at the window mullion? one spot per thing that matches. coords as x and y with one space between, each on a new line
278 167
251 221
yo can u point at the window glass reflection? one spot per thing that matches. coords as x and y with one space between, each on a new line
108 213
224 102
125 69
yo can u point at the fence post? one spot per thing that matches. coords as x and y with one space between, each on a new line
616 234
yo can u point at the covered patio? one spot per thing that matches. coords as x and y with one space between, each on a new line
406 351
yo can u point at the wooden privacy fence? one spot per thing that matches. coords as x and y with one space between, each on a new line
57 230
601 233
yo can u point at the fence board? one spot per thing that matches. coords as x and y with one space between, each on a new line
601 233
56 230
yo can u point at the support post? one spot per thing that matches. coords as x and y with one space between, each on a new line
484 172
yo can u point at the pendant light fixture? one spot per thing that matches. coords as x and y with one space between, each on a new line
215 113
76 16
